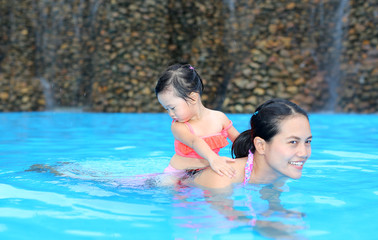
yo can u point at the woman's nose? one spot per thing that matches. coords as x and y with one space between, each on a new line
304 151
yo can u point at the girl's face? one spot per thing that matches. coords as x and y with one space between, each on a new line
288 151
178 109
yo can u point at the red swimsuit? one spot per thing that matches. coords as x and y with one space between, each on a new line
215 142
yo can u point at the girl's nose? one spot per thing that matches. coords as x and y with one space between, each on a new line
171 114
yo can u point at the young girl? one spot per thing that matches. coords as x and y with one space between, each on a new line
199 132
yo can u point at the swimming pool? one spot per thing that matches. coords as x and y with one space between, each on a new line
336 198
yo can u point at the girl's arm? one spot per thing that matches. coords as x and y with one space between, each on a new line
217 163
232 133
210 180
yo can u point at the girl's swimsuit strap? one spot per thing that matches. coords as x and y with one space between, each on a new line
228 126
190 127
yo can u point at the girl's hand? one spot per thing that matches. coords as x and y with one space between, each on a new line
220 166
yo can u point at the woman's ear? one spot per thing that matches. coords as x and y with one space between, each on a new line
260 145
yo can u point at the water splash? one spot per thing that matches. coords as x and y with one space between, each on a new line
334 73
231 5
47 92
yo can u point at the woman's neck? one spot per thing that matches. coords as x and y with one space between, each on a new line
264 174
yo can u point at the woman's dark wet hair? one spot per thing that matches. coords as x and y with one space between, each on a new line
183 78
265 123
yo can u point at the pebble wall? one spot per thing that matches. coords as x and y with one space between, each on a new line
106 56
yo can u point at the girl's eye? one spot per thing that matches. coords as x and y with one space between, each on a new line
309 141
293 142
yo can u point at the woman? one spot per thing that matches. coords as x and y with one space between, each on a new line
272 151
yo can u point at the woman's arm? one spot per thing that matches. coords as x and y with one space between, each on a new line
272 195
220 200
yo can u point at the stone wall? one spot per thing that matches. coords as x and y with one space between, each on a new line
358 91
107 55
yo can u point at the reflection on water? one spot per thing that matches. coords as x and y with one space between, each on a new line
255 208
83 165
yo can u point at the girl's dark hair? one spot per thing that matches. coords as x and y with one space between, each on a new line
184 79
265 123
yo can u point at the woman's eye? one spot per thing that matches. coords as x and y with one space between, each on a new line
293 142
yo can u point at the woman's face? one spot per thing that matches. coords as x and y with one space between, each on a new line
288 151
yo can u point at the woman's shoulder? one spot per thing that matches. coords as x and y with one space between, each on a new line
210 179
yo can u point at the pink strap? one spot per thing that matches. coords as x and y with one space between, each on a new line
224 131
228 126
248 167
187 124
190 127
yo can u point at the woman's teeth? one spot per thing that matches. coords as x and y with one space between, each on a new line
296 163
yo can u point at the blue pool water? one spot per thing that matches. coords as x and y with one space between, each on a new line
335 199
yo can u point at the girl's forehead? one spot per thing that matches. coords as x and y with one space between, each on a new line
168 98
169 91
169 95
